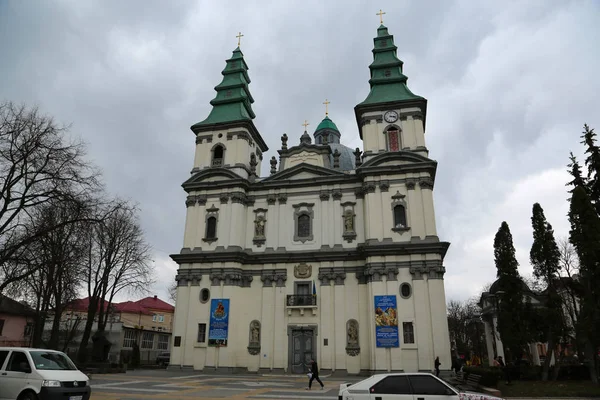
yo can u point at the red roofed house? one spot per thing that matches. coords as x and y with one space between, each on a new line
16 323
148 321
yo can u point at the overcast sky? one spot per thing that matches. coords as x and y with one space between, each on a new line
509 86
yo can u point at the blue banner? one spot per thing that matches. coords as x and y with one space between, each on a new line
386 322
219 322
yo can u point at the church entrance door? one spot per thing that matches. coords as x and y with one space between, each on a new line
302 350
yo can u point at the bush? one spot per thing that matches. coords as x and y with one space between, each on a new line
572 373
529 373
489 375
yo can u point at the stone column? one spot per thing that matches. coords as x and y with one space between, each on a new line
267 320
535 353
280 360
339 294
326 311
499 346
237 226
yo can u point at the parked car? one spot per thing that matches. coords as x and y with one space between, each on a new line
40 374
163 358
403 386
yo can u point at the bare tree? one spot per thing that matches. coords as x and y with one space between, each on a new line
118 259
58 255
173 292
466 329
38 164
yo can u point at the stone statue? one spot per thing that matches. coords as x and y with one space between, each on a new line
254 333
352 333
348 221
259 228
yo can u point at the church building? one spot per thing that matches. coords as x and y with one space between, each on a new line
334 256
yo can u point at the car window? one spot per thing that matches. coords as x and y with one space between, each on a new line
3 355
392 385
16 358
52 360
423 384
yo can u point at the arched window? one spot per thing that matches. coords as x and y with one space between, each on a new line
304 226
399 216
218 154
393 138
211 227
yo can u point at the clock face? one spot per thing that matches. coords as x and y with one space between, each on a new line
390 116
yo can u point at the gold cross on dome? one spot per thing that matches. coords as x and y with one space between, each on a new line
381 14
239 37
326 102
305 124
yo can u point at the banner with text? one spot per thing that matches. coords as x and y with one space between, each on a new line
219 322
386 322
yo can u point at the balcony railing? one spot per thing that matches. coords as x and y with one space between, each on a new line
299 300
217 162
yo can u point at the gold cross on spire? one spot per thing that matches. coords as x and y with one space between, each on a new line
239 37
381 14
305 124
326 102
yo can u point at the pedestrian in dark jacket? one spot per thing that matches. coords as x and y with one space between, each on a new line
437 366
314 370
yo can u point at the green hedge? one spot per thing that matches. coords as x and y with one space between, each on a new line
489 375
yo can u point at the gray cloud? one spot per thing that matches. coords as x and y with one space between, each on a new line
509 86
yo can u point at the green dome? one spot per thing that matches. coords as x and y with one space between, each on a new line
327 124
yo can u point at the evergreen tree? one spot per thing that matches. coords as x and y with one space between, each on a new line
513 324
504 252
545 258
592 162
575 172
585 236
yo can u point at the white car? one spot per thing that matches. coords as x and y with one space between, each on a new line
406 386
40 374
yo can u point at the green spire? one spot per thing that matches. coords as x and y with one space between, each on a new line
388 83
327 124
233 101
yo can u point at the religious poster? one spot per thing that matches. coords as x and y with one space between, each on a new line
386 322
219 322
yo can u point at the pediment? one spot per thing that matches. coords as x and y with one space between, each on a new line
212 175
397 158
303 171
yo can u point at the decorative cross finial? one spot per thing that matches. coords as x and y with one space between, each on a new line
326 104
381 14
239 37
305 124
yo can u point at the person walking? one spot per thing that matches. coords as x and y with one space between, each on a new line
437 366
314 374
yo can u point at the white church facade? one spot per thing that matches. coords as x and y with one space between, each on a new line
334 256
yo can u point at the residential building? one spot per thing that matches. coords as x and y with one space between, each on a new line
16 323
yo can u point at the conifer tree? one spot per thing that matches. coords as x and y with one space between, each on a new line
585 236
512 319
504 252
592 162
545 259
576 173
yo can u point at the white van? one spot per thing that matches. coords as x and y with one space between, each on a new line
40 374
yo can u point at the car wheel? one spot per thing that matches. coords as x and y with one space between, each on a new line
28 396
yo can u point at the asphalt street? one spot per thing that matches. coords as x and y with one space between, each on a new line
169 385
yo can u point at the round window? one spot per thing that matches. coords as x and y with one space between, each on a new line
204 295
405 290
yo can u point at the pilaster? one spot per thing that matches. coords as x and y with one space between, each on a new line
267 302
423 323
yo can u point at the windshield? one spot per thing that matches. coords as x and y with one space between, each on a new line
52 361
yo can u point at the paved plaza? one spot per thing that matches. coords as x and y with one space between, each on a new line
169 385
